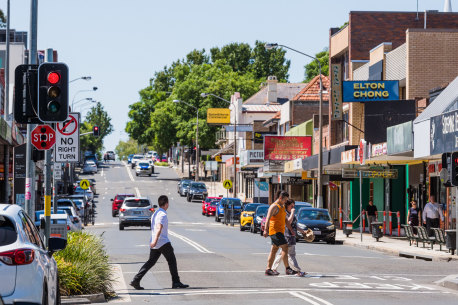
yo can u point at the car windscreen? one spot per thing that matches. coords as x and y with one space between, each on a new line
314 215
250 207
137 203
185 184
65 203
143 164
78 203
214 203
199 186
8 233
68 211
236 202
122 197
262 211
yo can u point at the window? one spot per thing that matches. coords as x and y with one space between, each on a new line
137 203
345 127
28 230
371 191
8 233
35 232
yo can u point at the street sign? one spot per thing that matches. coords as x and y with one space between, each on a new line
57 170
387 173
227 184
68 139
43 137
84 184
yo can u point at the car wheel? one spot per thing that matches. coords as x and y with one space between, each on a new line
203 213
331 241
113 213
121 226
241 228
152 172
136 174
150 175
44 297
188 198
208 215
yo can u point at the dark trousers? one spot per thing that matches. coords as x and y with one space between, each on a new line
154 254
431 223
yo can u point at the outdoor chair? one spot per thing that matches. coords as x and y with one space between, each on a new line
411 237
439 236
423 236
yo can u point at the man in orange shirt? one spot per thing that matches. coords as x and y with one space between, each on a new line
275 228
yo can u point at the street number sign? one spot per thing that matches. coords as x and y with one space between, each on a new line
43 137
227 184
68 139
85 184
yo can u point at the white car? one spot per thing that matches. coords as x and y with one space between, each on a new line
74 217
144 167
28 272
135 159
90 167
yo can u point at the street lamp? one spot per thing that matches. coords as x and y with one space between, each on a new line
91 101
83 99
235 137
88 78
73 100
270 46
197 136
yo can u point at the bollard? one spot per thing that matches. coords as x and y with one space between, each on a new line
384 222
364 221
340 216
390 223
398 215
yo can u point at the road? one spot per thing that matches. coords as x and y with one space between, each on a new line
225 266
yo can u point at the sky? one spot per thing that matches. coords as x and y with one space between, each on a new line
120 44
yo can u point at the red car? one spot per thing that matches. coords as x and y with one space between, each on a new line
117 202
206 204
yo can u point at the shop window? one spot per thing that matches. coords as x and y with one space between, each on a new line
345 129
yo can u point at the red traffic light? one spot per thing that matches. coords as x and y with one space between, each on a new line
96 128
53 77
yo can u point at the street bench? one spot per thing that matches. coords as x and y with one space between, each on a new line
423 237
439 237
411 237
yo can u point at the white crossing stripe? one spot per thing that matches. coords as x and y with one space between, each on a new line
198 247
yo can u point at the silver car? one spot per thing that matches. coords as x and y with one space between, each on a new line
89 167
135 211
184 187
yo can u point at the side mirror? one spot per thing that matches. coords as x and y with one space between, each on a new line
56 244
155 206
111 199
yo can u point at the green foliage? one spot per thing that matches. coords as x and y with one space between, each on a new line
83 266
124 149
161 163
312 69
269 62
97 116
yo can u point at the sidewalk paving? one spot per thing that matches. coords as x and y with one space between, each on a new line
396 246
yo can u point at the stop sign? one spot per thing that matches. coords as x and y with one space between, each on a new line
43 137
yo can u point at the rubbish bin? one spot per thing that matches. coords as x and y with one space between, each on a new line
377 230
347 227
450 240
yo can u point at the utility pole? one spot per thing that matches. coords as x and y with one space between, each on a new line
6 111
30 165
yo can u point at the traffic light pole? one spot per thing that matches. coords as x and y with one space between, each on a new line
30 166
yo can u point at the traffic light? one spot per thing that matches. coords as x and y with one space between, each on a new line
25 94
96 131
52 92
454 169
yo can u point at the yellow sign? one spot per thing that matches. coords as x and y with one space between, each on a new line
84 184
227 184
218 159
218 116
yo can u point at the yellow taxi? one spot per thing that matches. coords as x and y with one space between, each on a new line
246 217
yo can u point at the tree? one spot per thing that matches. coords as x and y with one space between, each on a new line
237 56
269 62
312 69
97 116
163 127
124 149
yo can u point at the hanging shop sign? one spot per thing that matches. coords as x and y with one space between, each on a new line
336 92
362 152
444 133
378 150
251 157
370 91
287 148
386 174
240 128
399 138
218 116
348 156
273 166
293 166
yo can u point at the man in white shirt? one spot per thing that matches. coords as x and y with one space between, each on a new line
431 214
160 244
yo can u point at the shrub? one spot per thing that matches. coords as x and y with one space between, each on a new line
83 266
161 163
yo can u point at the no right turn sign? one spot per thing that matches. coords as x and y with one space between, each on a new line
68 139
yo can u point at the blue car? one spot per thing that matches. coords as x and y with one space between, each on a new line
129 158
229 203
41 212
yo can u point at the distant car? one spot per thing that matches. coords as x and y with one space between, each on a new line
28 272
88 192
206 202
61 217
319 221
179 184
74 217
38 217
246 217
197 190
164 158
67 203
91 185
135 211
227 203
143 167
117 202
109 155
91 157
76 198
90 167
261 211
211 208
129 158
184 186
135 159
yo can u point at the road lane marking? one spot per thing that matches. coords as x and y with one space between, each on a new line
198 247
101 174
303 297
128 171
137 191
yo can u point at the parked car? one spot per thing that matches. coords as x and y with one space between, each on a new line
80 197
135 159
89 167
180 182
261 211
206 202
246 217
74 217
61 217
28 272
88 192
197 190
38 217
211 208
184 186
91 157
319 221
109 155
234 204
227 203
143 167
91 185
164 158
135 211
67 203
129 158
117 202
